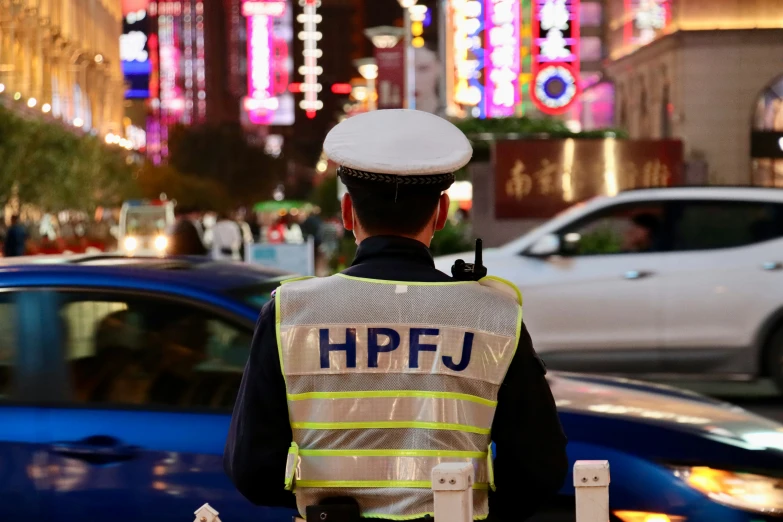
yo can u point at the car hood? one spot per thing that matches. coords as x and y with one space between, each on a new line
664 405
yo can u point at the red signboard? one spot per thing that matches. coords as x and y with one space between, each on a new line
391 76
536 179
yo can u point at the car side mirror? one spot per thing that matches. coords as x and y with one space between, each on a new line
548 245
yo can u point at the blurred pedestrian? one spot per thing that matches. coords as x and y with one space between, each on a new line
226 238
15 239
185 239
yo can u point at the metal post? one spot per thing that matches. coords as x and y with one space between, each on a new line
591 482
372 105
452 487
410 66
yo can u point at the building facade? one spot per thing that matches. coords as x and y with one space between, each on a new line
702 71
63 57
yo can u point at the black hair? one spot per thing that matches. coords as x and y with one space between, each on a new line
388 208
647 221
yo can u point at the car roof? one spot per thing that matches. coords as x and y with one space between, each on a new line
723 192
196 272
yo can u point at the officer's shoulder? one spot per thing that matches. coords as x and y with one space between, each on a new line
290 281
503 288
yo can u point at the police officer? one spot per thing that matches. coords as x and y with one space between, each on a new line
359 384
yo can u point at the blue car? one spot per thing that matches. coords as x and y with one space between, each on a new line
118 375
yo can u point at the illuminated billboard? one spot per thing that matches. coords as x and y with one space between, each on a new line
269 40
555 55
501 57
646 19
466 58
177 74
134 50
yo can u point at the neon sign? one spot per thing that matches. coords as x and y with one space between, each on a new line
502 58
555 56
170 100
310 70
254 8
647 19
468 62
260 101
267 57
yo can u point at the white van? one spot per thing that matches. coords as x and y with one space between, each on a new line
144 226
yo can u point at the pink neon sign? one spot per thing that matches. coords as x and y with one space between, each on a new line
253 8
264 53
502 66
259 78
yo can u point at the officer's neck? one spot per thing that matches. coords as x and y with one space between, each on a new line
424 237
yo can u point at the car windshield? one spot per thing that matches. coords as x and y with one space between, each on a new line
145 222
573 209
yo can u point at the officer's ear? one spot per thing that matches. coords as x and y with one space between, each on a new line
347 211
443 211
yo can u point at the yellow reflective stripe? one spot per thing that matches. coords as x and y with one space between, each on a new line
393 453
506 282
291 280
395 393
490 468
417 484
405 283
387 425
291 465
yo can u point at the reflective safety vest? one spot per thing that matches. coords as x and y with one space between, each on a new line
386 380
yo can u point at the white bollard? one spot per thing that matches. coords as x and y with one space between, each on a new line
591 482
452 487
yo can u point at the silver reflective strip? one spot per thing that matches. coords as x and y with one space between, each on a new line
338 300
398 439
392 409
377 502
399 470
436 350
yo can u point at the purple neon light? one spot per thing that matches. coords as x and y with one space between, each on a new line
260 88
502 67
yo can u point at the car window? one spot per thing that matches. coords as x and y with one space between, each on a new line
621 229
8 348
146 351
707 225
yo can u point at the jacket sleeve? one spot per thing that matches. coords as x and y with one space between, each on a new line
260 434
530 446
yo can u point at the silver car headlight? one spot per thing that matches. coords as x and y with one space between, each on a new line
744 491
130 243
161 243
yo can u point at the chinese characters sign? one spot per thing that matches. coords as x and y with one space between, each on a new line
467 57
502 57
646 19
539 178
267 56
555 54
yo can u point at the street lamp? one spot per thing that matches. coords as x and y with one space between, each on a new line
385 36
368 68
410 68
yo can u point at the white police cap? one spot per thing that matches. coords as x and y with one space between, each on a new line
398 146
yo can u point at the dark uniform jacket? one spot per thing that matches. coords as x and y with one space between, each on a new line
531 462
